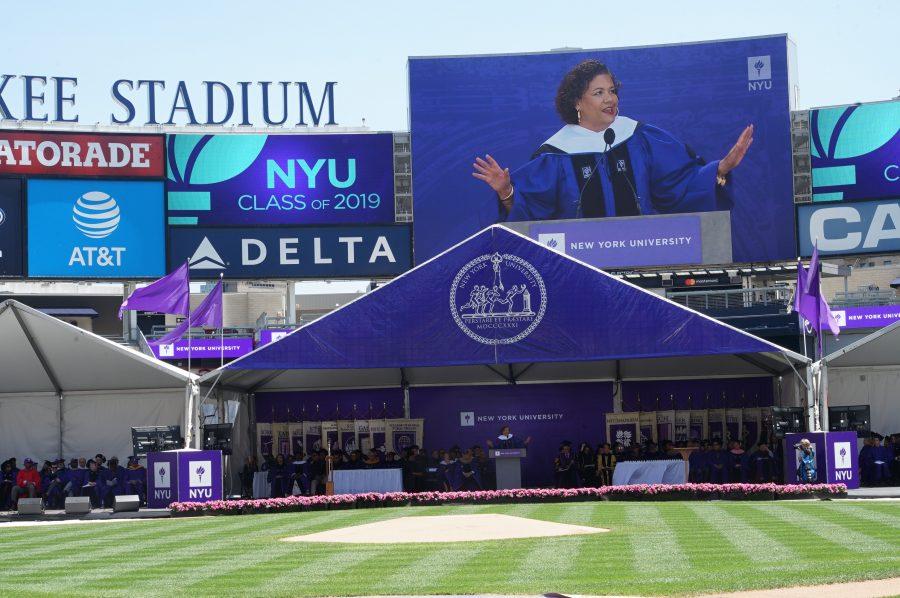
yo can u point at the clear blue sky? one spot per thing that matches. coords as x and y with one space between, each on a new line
848 51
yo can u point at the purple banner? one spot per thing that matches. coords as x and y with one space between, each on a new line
870 316
199 475
280 179
200 348
162 479
548 413
270 335
625 242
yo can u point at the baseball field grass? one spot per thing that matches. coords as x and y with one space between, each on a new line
653 548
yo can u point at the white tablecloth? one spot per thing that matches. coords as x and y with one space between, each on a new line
649 472
355 481
261 488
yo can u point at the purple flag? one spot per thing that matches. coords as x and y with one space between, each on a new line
171 294
208 313
808 299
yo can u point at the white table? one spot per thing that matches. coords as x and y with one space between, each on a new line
261 487
356 481
650 472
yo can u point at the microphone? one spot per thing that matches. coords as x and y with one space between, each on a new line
609 136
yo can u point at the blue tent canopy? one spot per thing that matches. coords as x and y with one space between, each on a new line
500 306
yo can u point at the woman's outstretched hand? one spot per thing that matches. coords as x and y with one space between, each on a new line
737 153
493 174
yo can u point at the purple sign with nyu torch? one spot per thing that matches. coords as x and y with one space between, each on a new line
199 475
625 242
870 316
162 479
203 348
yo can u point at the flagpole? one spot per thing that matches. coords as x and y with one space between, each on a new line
222 325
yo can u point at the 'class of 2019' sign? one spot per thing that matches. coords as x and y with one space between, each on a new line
234 180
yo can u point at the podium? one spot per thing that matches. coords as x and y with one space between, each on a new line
183 475
837 457
508 465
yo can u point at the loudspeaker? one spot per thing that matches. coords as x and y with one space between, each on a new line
78 505
126 502
31 506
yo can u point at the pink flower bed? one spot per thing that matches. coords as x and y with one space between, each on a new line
524 495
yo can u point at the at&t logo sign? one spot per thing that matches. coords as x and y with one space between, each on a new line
498 299
96 214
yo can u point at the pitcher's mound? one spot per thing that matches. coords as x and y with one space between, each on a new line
446 528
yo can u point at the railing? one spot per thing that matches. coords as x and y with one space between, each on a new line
772 297
160 330
864 297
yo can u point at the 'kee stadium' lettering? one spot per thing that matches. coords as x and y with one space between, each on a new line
278 102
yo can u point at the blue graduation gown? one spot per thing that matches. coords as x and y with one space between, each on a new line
136 482
645 171
112 482
453 474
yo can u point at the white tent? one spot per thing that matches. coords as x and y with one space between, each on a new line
66 392
867 372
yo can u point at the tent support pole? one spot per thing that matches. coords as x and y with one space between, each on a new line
617 389
61 426
404 385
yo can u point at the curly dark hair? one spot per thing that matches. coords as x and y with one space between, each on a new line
575 83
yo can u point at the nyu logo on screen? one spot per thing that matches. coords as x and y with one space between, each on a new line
200 474
95 229
162 475
759 73
167 350
555 241
467 419
842 458
498 299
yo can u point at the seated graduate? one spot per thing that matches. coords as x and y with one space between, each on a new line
28 483
606 464
136 478
668 452
762 465
7 481
565 470
355 461
506 440
74 479
100 460
601 164
373 459
53 484
279 478
414 470
717 462
91 484
698 466
112 482
652 451
737 457
587 465
300 473
248 471
471 477
451 471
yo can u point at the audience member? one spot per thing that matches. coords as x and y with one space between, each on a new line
606 465
587 465
28 482
566 470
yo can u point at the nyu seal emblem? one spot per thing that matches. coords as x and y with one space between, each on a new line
498 299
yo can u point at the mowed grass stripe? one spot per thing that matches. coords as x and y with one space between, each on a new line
755 545
877 516
194 552
879 533
706 546
266 557
791 534
840 535
103 541
655 549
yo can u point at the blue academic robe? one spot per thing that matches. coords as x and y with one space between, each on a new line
718 467
112 483
452 474
698 466
136 482
74 479
645 171
280 479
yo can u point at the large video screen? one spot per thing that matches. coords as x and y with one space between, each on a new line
650 156
855 151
